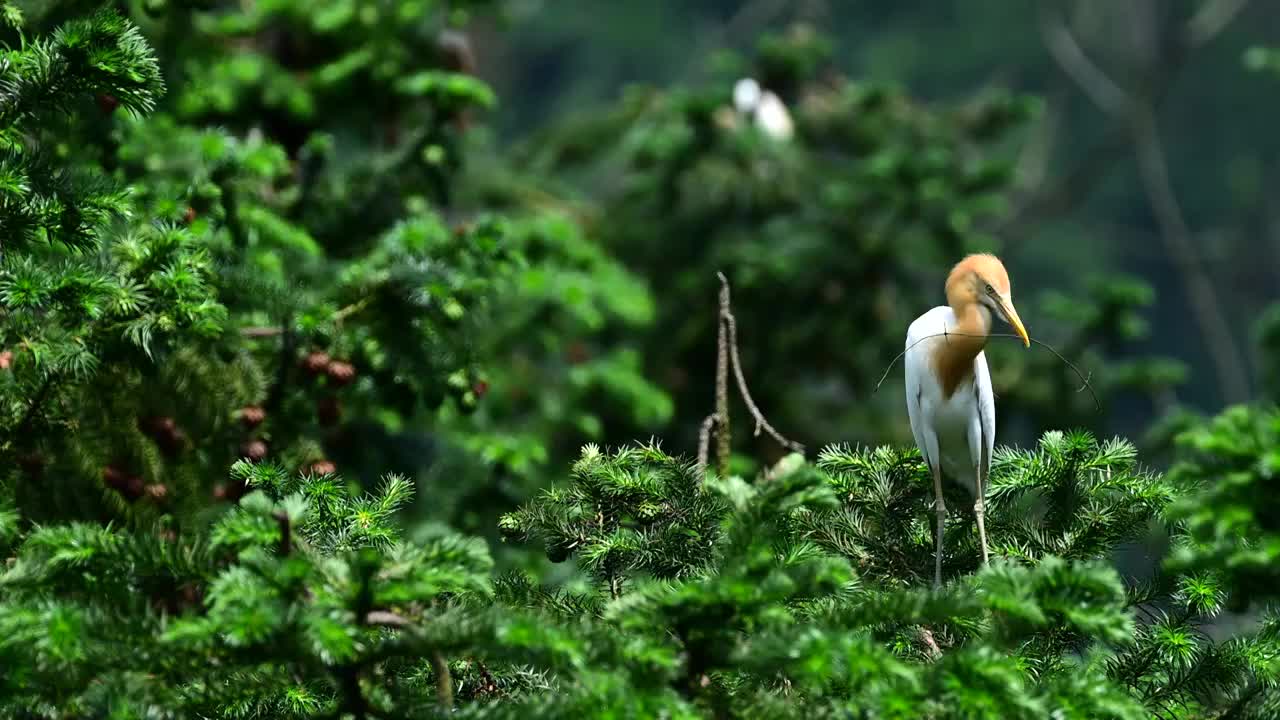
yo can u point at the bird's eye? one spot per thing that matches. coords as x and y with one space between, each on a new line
990 290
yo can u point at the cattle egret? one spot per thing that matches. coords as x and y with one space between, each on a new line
766 109
949 398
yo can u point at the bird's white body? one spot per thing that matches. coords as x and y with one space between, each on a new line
766 109
956 433
772 117
949 397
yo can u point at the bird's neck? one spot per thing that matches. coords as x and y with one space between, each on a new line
953 357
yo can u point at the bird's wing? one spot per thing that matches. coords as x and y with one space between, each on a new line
918 372
986 398
914 412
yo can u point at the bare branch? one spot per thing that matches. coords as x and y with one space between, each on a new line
386 618
1137 113
704 443
1097 161
444 680
439 666
1211 20
728 321
1203 297
336 318
1062 45
722 383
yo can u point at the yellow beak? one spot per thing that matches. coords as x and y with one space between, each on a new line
1011 317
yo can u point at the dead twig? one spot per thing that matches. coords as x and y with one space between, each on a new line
704 443
722 383
439 666
1098 160
728 321
336 318
718 422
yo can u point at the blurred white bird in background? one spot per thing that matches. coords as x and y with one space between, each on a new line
764 108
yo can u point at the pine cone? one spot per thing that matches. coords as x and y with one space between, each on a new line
577 353
253 450
113 477
329 411
157 425
134 487
315 362
237 490
231 492
252 416
192 595
107 103
173 442
130 487
341 373
321 467
32 463
165 432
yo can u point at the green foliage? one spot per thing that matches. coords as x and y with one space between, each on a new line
97 55
1267 340
239 257
634 511
771 602
1227 472
1071 497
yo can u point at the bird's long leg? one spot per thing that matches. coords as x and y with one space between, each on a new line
979 509
940 507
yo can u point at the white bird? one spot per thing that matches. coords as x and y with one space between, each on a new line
765 108
949 397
